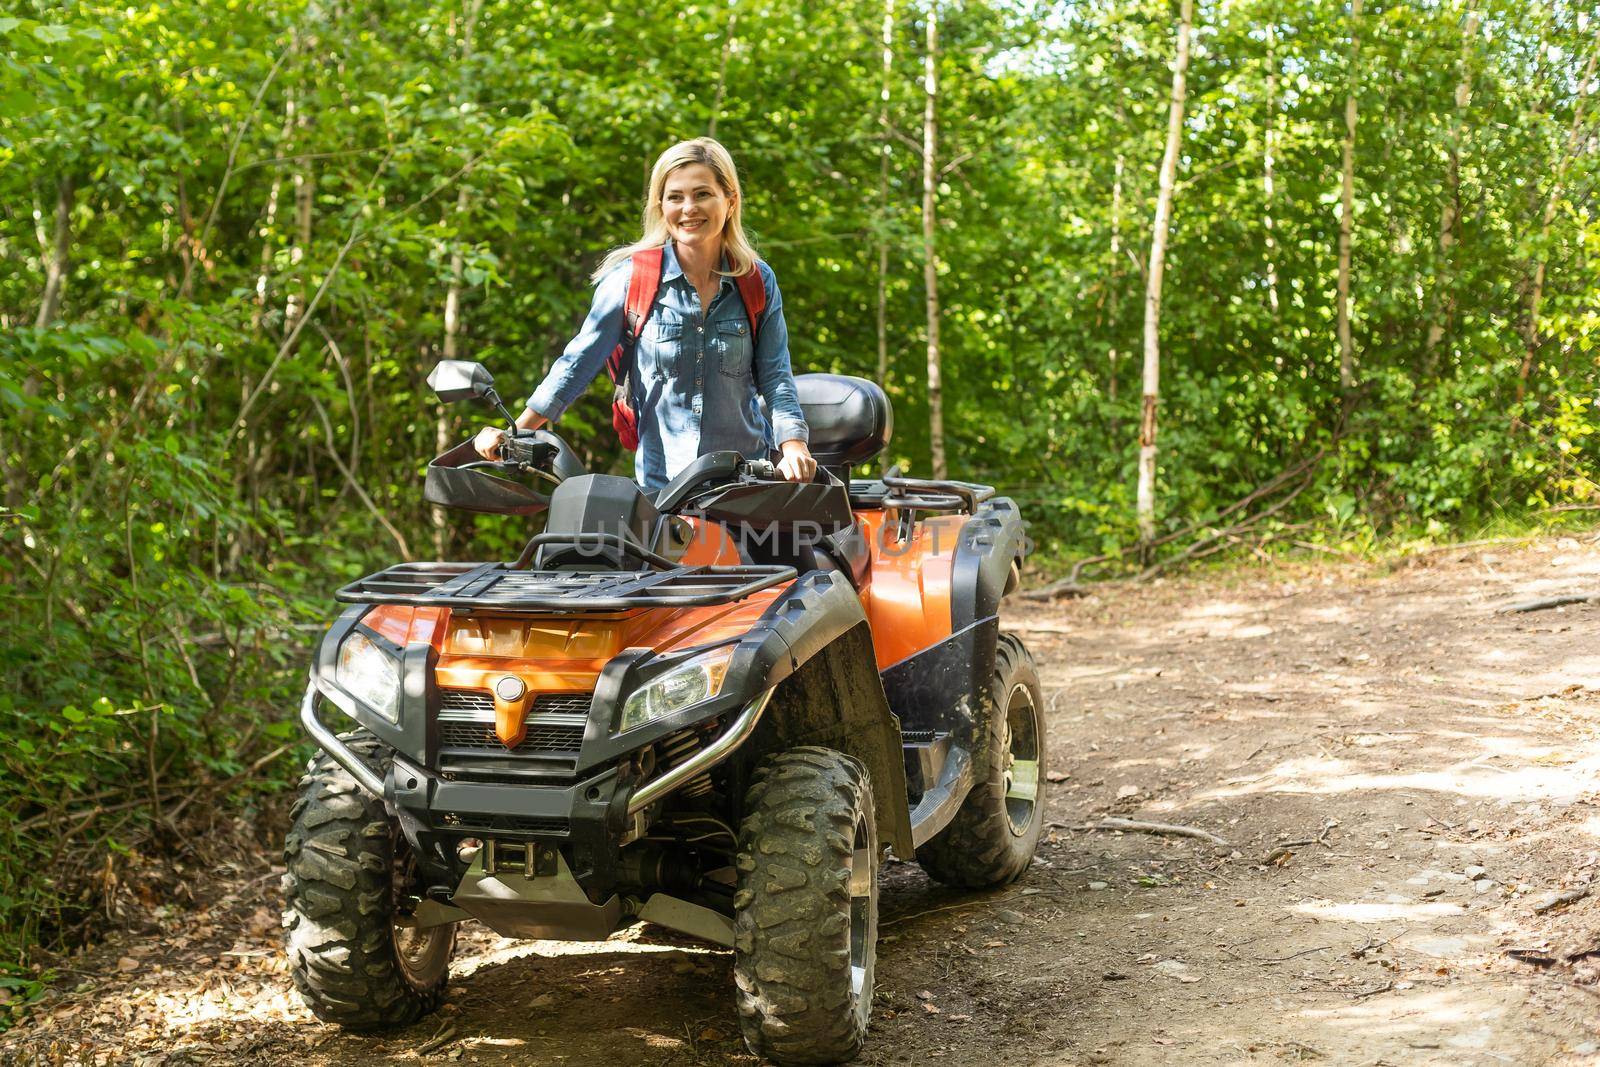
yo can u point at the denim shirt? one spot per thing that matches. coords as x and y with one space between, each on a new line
696 381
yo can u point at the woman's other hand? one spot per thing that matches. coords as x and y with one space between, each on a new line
797 464
487 443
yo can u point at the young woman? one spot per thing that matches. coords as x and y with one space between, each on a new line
696 376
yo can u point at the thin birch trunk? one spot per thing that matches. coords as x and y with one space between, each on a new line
1530 329
1450 211
1114 274
1152 293
1116 259
1269 158
274 191
1347 356
55 270
722 74
883 194
265 274
452 299
304 197
930 254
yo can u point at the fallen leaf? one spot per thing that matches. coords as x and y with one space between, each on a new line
1127 791
925 995
127 965
1056 776
931 1009
711 1033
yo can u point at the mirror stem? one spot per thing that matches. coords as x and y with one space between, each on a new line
494 398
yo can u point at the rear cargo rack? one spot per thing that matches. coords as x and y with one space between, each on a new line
501 587
923 494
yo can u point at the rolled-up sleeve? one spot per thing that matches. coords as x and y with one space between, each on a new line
585 355
774 374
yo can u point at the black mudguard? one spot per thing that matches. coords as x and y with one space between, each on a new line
836 699
945 687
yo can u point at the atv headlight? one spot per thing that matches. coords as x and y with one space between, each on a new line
688 683
370 674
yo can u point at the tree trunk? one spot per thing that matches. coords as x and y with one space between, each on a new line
1114 273
304 196
1530 329
1113 280
1269 151
883 194
1347 356
55 270
1152 291
265 274
930 254
1450 212
442 430
722 72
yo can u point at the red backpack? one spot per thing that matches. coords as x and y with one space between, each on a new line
642 288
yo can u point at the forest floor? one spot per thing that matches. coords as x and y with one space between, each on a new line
1437 763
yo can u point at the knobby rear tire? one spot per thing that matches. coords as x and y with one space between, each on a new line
982 848
345 952
806 909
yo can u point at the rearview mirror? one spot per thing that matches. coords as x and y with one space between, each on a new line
460 379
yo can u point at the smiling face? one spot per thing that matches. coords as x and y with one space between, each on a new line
695 206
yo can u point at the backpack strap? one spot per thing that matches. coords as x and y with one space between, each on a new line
643 285
753 291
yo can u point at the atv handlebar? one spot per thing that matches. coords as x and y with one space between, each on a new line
761 469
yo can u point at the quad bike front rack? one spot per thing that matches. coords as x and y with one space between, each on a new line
501 587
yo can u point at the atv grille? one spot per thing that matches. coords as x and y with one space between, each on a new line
556 739
474 704
556 723
478 704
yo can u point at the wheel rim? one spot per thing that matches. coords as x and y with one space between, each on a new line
1020 744
423 955
860 882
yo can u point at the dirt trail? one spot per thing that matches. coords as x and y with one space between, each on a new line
1442 761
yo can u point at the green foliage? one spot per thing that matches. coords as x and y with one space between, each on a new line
264 209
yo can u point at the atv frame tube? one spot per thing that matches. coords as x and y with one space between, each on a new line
329 742
705 759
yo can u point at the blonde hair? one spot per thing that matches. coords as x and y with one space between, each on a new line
735 243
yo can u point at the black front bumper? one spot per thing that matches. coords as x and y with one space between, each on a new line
584 818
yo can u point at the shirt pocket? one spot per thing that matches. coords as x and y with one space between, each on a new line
658 347
734 352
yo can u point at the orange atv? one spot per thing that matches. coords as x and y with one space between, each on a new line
709 709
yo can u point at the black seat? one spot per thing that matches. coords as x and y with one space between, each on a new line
850 418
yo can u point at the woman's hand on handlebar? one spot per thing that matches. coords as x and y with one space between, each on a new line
487 443
797 465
